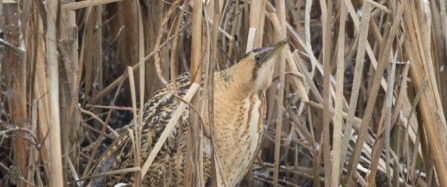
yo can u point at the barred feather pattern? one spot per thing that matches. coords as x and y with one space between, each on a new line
239 111
156 115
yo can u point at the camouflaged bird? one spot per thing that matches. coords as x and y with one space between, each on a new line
239 111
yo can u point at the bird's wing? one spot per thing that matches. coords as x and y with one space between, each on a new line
156 114
111 157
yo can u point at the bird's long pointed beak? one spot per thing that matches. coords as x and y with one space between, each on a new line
274 50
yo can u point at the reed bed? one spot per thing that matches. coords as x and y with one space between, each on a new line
357 97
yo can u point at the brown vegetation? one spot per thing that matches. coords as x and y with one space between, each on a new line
357 98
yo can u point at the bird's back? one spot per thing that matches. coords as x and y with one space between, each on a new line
167 168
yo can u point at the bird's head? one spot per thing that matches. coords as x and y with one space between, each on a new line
256 68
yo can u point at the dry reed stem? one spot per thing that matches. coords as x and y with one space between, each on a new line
17 86
34 152
53 78
70 115
291 64
74 172
174 52
210 87
193 156
254 39
135 132
421 66
40 93
85 58
363 33
388 115
109 107
281 33
113 132
18 50
234 23
85 4
114 172
142 73
326 12
157 43
338 119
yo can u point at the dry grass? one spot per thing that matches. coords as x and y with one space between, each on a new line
357 97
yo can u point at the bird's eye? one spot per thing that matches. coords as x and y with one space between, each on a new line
257 58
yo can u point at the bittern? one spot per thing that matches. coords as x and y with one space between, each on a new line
239 111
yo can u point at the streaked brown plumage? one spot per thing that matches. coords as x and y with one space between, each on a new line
239 110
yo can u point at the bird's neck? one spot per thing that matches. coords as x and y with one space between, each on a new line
235 84
238 115
233 95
